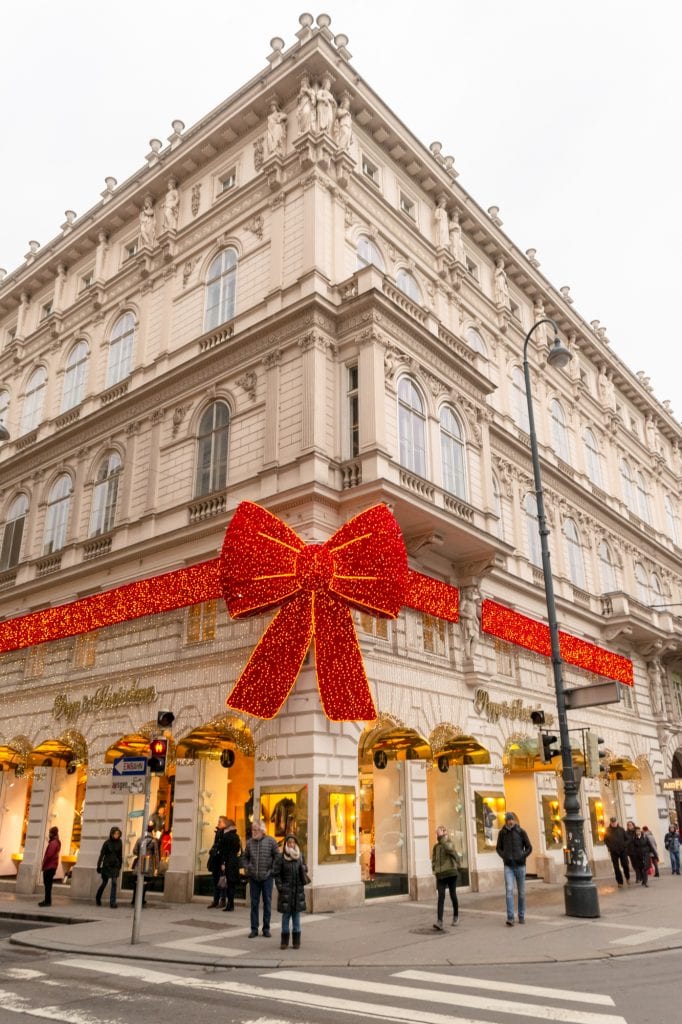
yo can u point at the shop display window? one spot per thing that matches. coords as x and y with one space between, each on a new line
337 839
490 808
597 820
285 811
445 791
551 818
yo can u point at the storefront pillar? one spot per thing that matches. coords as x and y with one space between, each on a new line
29 871
179 880
421 880
104 810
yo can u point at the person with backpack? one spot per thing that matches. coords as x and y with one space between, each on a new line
671 841
445 864
514 847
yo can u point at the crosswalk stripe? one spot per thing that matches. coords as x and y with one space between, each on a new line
556 1013
507 986
368 1011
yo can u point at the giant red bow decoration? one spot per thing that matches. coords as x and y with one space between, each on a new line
363 565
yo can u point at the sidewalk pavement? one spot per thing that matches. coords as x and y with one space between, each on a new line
380 933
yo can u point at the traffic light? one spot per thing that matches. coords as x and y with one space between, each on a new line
165 719
549 751
537 717
594 755
227 758
157 761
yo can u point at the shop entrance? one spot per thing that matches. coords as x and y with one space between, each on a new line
225 754
67 758
16 783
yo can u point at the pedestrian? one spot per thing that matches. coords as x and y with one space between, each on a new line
216 864
514 847
148 848
109 864
259 860
651 839
615 841
232 847
291 877
629 836
50 864
641 856
671 841
445 864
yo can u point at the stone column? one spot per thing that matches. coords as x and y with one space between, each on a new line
314 346
29 874
272 363
178 885
372 391
419 858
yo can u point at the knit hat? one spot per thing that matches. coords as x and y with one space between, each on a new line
510 816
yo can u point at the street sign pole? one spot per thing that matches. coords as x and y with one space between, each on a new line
139 878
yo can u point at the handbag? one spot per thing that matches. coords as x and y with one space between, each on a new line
652 869
222 882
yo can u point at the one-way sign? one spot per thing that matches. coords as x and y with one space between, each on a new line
124 767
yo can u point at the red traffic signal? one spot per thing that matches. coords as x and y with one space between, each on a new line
157 761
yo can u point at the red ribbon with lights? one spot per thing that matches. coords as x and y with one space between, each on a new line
264 564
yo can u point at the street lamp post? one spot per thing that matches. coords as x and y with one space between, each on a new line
580 892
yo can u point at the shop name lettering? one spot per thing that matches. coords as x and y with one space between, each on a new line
495 710
103 699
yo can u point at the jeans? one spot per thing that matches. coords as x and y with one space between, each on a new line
518 872
618 859
444 885
295 918
674 861
112 891
261 887
48 876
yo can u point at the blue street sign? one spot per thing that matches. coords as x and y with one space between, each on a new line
124 767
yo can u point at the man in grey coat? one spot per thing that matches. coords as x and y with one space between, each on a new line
259 860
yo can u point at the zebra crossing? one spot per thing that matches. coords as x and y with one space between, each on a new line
419 996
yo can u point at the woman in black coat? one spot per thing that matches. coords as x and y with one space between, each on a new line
291 875
109 864
640 854
231 847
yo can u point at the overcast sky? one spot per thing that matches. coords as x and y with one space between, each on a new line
564 113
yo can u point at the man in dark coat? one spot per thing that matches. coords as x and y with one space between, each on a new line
231 848
109 864
513 846
615 841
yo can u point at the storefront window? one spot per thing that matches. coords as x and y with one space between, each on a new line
383 850
597 820
223 791
446 807
286 811
336 824
490 808
551 818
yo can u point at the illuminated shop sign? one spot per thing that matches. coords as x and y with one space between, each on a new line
104 699
515 710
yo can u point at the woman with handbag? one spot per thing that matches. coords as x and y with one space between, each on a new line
445 864
109 864
291 876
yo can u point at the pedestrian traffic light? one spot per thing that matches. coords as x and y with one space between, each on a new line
537 717
594 755
157 761
549 751
165 719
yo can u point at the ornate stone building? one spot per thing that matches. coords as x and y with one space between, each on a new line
294 302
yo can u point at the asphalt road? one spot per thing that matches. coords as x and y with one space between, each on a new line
86 990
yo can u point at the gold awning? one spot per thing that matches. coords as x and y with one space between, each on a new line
133 745
464 750
225 733
622 768
50 754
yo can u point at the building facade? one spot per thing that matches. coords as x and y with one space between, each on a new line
295 303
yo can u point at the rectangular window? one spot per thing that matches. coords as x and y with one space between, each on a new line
46 310
201 622
407 206
353 413
228 180
370 170
472 268
87 281
433 633
515 310
85 650
130 250
373 626
504 662
34 666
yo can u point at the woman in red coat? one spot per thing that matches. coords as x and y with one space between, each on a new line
50 864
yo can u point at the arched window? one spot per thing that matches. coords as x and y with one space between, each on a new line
411 427
452 453
4 406
642 581
609 581
75 374
576 564
559 431
121 349
671 516
656 591
530 506
33 400
57 514
221 289
628 485
367 252
13 533
519 400
212 449
408 284
105 494
497 506
593 458
475 341
643 498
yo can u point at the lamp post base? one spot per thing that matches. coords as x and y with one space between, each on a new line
581 898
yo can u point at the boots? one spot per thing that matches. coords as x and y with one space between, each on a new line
296 940
439 925
284 944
